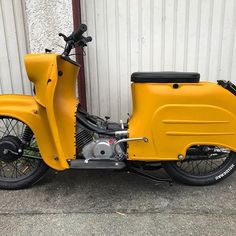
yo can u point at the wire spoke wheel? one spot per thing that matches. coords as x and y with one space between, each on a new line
210 161
203 165
20 160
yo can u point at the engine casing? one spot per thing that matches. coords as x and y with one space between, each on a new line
102 148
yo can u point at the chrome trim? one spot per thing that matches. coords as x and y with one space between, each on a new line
121 133
128 140
122 124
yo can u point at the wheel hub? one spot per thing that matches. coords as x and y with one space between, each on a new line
10 148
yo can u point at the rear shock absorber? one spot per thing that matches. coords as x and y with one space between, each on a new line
27 135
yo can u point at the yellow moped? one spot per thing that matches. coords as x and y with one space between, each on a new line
179 123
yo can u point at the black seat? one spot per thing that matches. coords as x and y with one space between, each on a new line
165 77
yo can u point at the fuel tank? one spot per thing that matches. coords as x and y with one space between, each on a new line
175 117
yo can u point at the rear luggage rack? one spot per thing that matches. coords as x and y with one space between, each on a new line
227 85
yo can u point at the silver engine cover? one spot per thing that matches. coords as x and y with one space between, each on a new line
102 148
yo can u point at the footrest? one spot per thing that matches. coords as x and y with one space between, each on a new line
97 164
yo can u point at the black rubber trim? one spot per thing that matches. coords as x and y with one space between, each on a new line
228 85
165 77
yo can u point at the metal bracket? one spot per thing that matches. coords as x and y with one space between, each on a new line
149 176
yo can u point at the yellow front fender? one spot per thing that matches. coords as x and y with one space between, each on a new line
26 109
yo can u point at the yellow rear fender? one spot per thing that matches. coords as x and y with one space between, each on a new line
26 109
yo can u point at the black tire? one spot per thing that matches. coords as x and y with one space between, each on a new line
212 177
18 169
26 182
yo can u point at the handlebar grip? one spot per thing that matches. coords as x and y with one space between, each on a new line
76 35
88 39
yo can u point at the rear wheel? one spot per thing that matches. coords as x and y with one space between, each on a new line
203 165
20 162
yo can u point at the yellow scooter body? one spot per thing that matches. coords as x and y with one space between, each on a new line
51 112
173 119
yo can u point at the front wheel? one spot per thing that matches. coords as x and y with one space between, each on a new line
20 162
204 165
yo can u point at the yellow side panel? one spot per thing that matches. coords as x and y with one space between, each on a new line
54 80
175 119
65 106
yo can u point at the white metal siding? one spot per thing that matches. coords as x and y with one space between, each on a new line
154 35
13 45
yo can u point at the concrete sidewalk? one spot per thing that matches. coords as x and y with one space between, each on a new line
112 203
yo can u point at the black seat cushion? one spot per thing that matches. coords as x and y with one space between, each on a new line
165 77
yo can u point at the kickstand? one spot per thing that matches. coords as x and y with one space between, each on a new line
150 177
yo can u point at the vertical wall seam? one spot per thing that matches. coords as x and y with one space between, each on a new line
96 52
26 39
18 48
9 61
163 35
174 35
128 54
151 34
220 39
1 85
232 41
88 80
118 57
185 62
198 29
140 39
107 58
26 31
210 22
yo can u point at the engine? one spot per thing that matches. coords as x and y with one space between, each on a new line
92 146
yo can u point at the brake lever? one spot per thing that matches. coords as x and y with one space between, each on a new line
64 37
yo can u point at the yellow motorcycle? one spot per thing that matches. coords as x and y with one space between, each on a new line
186 126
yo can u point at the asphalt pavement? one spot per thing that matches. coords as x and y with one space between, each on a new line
113 203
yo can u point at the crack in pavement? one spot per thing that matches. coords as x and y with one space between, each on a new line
175 212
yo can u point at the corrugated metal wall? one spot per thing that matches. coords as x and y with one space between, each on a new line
154 35
13 45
